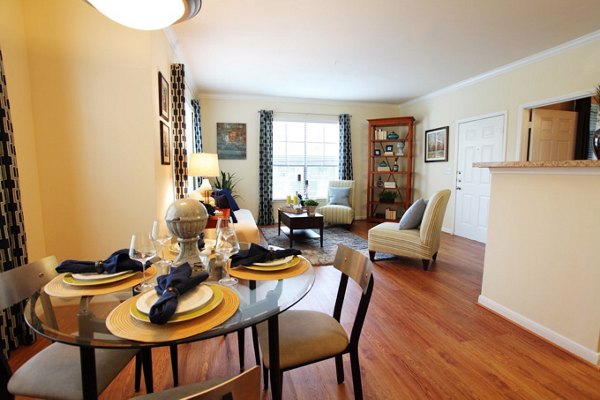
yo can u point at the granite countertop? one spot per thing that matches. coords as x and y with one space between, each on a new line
540 164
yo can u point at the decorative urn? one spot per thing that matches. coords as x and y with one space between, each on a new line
186 218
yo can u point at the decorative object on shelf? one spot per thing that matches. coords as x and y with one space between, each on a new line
311 207
389 185
392 136
379 182
377 152
395 167
387 196
390 213
205 165
400 146
163 97
383 166
165 144
231 141
596 138
436 144
389 150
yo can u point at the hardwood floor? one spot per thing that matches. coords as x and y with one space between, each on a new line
425 337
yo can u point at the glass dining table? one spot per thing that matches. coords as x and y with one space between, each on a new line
82 321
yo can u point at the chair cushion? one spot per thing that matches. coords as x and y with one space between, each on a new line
304 336
55 372
339 196
413 216
334 214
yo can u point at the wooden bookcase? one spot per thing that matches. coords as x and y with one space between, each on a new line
393 168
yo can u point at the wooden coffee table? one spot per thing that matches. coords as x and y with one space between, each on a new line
300 225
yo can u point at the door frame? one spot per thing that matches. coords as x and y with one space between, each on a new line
523 117
457 144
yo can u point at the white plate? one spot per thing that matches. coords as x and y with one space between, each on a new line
94 276
273 263
191 300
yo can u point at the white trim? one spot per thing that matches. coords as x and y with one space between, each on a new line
511 67
542 103
174 44
547 170
559 340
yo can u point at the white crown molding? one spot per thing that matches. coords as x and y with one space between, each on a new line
591 37
179 57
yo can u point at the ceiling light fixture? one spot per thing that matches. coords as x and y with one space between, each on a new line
147 14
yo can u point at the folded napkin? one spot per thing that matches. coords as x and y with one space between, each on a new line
116 262
169 288
259 254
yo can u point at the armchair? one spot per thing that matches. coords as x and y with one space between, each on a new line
422 242
338 209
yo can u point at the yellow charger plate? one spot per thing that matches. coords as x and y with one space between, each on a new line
287 265
68 279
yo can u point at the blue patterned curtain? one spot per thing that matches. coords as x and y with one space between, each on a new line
13 250
197 129
178 127
265 169
345 171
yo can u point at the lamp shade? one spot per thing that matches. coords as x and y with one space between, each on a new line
147 14
203 164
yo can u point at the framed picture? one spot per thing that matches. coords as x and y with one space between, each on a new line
231 141
376 152
165 144
436 144
163 97
389 148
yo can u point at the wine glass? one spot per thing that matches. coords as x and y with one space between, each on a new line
142 249
227 245
161 236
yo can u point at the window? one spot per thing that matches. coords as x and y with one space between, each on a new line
306 149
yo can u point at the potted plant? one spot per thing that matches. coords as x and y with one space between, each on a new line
228 181
311 207
387 196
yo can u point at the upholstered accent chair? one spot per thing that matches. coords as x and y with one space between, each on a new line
338 209
422 242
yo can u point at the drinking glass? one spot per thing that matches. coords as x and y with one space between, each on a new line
227 245
162 236
142 249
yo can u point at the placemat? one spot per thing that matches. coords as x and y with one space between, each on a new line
56 287
120 322
253 275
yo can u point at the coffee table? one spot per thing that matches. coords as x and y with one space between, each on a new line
300 225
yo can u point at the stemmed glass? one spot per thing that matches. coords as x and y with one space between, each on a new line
227 245
162 236
142 249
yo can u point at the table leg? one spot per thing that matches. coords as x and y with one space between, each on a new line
147 366
291 237
273 328
321 231
241 346
87 357
278 222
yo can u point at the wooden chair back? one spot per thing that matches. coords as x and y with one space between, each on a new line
245 386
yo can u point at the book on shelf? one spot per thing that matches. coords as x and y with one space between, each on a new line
389 185
390 214
383 169
388 153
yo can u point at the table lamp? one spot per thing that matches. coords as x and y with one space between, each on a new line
204 165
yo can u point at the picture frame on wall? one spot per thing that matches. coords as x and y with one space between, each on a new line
376 152
231 141
163 97
389 148
165 144
436 144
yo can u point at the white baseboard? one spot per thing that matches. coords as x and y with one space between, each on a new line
564 343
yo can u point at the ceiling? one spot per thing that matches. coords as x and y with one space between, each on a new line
387 51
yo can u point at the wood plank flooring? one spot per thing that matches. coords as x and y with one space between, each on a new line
425 337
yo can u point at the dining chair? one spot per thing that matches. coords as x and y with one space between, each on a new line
55 371
245 386
306 337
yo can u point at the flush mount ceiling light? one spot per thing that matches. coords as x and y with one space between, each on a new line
147 14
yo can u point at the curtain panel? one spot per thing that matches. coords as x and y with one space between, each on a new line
265 169
345 171
13 250
180 173
197 129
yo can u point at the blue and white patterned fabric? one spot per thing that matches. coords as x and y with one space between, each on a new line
345 171
180 174
265 169
197 131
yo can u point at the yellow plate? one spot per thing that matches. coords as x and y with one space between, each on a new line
287 265
76 282
217 298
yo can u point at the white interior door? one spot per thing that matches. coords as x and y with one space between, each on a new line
552 135
479 140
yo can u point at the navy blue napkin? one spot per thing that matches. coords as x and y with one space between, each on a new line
117 262
259 254
169 288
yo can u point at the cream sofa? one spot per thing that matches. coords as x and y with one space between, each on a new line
246 228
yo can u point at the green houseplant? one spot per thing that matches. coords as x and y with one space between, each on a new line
387 196
228 181
311 206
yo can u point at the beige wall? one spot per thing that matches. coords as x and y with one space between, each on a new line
541 262
91 126
245 110
571 71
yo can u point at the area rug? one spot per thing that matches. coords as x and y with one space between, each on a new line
311 249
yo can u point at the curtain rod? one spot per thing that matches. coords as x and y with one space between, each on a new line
299 113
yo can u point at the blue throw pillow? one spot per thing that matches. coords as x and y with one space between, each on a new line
339 196
225 192
414 215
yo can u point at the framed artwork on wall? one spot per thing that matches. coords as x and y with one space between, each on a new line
163 96
436 144
231 141
165 144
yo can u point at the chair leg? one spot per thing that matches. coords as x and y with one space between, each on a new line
138 372
265 377
147 366
255 345
425 264
241 346
339 368
174 364
434 256
358 395
371 255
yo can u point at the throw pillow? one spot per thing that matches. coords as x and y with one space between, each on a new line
339 196
225 192
414 215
